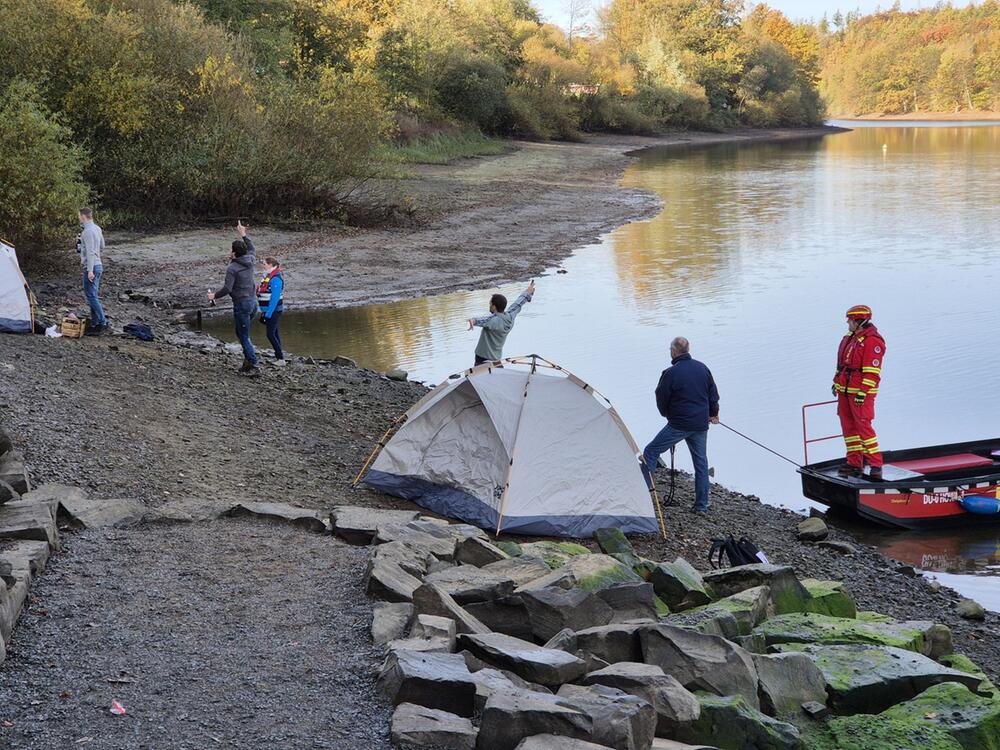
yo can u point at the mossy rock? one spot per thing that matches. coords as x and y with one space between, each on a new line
661 606
866 616
731 722
749 607
867 732
808 627
680 585
972 720
613 542
963 663
598 572
829 598
555 554
513 549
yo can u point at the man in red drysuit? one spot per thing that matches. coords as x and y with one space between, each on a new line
859 370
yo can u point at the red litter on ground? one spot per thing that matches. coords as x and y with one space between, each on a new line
117 708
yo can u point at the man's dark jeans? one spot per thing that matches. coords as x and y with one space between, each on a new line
273 336
92 290
697 442
243 313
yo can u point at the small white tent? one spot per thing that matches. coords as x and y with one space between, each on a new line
510 447
15 305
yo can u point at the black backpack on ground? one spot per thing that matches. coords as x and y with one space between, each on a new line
741 552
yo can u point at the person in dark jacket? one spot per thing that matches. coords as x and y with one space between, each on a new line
240 285
686 395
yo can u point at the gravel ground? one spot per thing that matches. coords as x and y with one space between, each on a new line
232 634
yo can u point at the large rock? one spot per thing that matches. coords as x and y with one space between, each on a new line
630 601
787 594
12 598
972 720
428 679
507 615
417 725
786 681
963 663
522 569
970 609
386 580
555 742
730 722
919 636
555 554
680 585
430 599
23 560
544 666
413 559
19 520
511 716
813 530
479 552
612 643
489 681
553 609
613 542
674 704
829 598
54 495
357 525
664 744
304 518
700 662
389 621
620 720
433 645
431 626
707 620
588 572
14 472
467 583
869 679
748 608
433 537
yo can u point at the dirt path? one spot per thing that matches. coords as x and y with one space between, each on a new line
235 634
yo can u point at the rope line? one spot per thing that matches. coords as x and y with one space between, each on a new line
761 445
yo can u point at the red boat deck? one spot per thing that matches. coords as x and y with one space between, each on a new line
938 464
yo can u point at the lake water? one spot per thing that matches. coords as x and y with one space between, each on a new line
758 252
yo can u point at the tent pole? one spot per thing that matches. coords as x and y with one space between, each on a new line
377 449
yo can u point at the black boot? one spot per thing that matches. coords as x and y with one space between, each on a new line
846 470
875 474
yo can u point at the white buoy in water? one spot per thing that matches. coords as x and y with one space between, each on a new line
885 146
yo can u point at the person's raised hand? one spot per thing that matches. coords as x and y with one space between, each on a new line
240 229
472 323
531 288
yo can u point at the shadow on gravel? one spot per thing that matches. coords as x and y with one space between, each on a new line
232 634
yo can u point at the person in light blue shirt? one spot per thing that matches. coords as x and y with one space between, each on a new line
497 325
270 298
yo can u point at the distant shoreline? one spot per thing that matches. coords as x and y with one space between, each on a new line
924 117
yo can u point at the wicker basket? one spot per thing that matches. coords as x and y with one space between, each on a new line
72 328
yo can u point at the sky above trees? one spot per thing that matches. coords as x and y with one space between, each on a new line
556 10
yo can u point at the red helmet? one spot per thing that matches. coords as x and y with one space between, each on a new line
860 312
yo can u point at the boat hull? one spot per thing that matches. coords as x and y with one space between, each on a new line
923 502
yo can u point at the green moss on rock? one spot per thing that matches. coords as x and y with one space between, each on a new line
829 598
868 732
555 554
973 721
511 548
731 722
963 663
824 630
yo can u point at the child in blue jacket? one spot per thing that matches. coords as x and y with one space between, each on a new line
270 298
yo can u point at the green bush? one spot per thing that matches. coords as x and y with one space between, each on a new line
471 89
40 175
613 112
671 106
541 112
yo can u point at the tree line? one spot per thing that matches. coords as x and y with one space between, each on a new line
157 109
942 59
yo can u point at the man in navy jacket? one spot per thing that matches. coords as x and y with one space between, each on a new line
686 395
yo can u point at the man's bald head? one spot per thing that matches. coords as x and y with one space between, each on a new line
679 346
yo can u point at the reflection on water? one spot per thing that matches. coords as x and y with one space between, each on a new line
759 250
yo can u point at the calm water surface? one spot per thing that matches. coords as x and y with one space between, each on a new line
757 254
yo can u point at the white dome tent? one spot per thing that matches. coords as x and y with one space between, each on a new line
15 304
520 446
